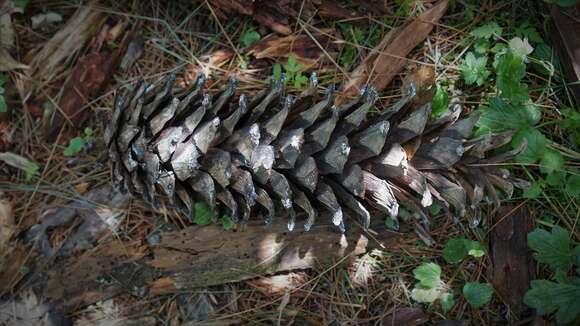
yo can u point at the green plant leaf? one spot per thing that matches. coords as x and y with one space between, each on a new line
227 222
434 209
292 66
277 71
474 248
571 119
481 46
250 37
535 147
573 186
555 178
526 30
510 69
31 170
501 115
477 294
75 145
20 162
425 295
454 250
474 69
552 248
430 287
547 297
440 102
428 275
534 191
447 301
3 106
300 81
204 215
88 133
488 30
551 161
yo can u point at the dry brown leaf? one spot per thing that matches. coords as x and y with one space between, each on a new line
86 80
109 313
277 284
387 59
81 188
303 47
27 311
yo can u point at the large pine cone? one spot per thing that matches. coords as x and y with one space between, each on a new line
276 155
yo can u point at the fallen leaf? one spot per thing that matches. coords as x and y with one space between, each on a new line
89 75
109 313
29 310
51 59
278 284
387 59
304 48
81 188
19 162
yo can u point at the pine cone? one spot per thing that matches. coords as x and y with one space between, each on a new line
285 156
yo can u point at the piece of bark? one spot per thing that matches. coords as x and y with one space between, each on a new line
51 60
513 265
203 256
567 19
388 58
90 74
104 272
406 316
196 257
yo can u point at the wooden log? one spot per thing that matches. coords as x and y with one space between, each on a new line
513 265
197 257
203 256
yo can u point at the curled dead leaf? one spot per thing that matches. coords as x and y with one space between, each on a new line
306 49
